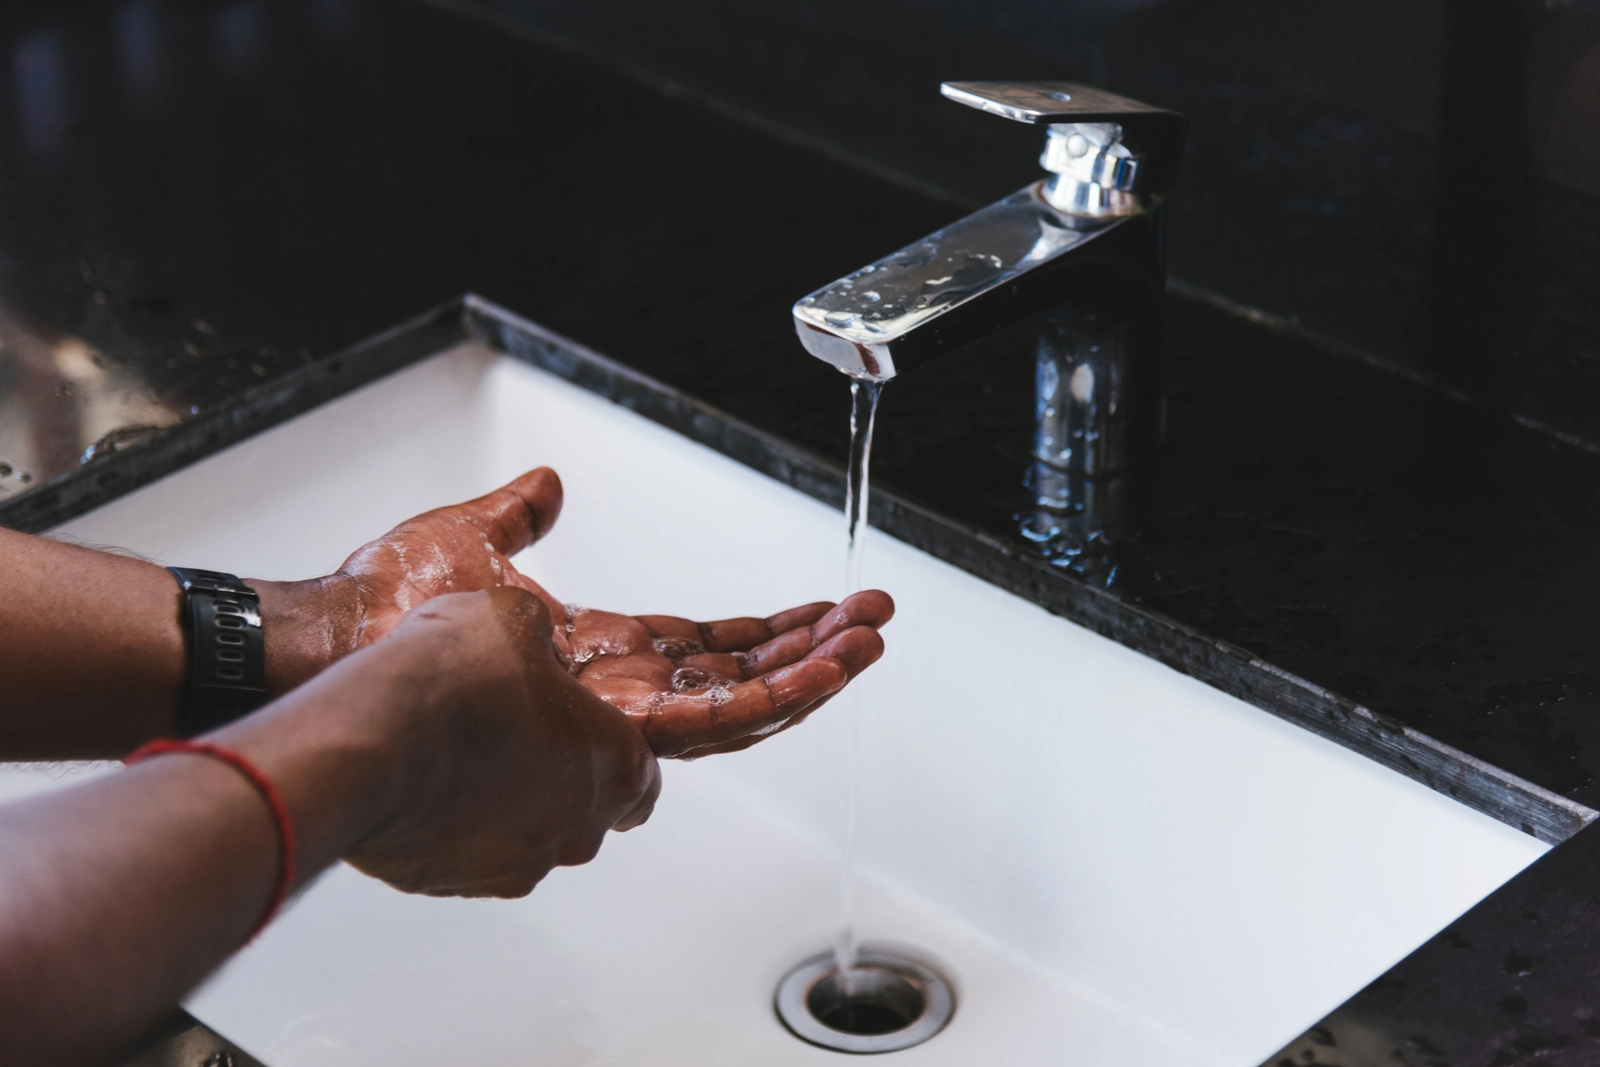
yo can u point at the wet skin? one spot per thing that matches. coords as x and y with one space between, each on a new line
692 688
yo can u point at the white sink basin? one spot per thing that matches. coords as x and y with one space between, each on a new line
1118 864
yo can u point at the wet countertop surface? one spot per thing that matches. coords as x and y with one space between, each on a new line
197 197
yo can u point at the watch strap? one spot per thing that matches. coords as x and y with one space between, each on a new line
227 653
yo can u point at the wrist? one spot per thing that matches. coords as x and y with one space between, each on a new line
334 753
307 626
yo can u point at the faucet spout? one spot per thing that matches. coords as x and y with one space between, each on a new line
1083 250
1093 227
998 265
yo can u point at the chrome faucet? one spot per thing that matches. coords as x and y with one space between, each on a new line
1083 249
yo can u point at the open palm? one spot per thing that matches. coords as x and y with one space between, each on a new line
692 688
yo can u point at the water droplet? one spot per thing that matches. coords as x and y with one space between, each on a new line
1081 384
687 678
677 648
872 295
839 318
116 441
1063 97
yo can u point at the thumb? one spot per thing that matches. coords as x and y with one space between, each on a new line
518 513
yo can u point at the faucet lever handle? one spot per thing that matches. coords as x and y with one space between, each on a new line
1153 134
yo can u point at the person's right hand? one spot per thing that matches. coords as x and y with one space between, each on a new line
502 765
703 688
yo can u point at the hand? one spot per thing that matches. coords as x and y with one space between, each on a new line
693 689
457 757
461 548
507 766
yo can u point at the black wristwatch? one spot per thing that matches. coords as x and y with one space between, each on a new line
227 656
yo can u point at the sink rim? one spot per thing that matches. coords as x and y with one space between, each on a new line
1504 796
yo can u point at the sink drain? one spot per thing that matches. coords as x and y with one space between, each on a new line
885 1003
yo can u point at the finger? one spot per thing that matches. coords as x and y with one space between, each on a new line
579 848
734 635
857 648
756 707
731 746
518 513
686 637
558 610
742 743
676 723
642 810
862 611
524 616
716 666
870 607
781 651
804 615
678 637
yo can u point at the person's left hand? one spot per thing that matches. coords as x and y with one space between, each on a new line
691 688
457 549
462 548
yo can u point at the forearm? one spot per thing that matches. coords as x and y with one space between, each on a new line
92 649
119 895
92 656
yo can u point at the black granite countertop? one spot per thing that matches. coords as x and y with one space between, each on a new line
197 199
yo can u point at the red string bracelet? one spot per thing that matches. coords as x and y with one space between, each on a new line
269 793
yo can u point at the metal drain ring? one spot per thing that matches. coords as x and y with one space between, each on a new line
794 993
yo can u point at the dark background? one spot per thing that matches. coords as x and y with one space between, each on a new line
1412 181
198 198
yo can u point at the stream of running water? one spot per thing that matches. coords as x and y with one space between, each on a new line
863 414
